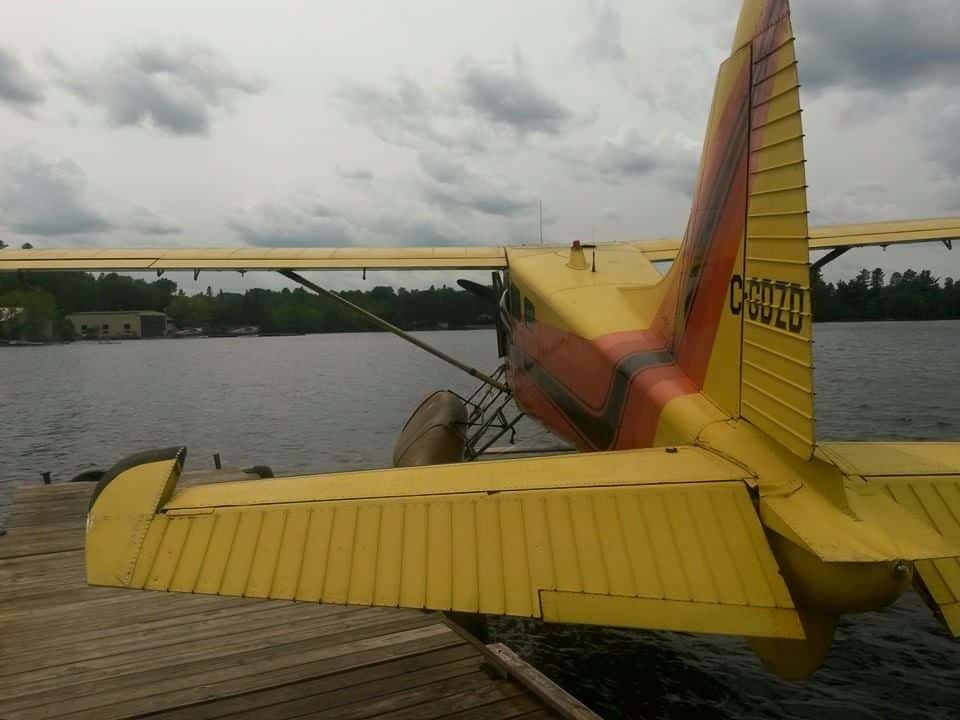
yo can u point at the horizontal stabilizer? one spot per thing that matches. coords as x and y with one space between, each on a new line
627 539
891 459
937 501
871 528
923 478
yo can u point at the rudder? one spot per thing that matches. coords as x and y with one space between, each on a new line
777 364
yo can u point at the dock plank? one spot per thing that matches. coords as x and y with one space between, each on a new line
68 650
369 676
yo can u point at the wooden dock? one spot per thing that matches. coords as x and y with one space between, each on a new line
72 651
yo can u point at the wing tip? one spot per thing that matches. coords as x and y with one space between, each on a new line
123 506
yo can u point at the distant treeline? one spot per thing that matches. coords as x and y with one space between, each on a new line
870 296
48 297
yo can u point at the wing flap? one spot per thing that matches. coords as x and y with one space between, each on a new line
346 258
687 556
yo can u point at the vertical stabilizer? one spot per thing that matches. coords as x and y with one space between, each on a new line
741 281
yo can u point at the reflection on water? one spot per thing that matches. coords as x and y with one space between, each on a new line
329 402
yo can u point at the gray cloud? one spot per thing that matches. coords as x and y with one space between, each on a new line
452 187
355 174
510 99
486 201
46 198
173 87
632 155
303 223
150 223
463 117
440 168
865 201
17 87
403 230
878 44
291 226
941 137
604 40
403 115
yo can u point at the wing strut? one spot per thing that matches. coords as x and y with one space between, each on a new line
377 320
830 257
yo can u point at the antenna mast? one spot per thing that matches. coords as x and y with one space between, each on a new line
541 221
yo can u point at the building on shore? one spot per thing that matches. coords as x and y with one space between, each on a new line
119 324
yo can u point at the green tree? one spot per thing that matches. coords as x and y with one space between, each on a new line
36 320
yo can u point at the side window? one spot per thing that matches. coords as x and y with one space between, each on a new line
529 317
106 326
515 302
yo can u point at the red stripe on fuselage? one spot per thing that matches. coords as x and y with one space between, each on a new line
586 368
631 412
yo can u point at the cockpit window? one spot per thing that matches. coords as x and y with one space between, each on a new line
529 316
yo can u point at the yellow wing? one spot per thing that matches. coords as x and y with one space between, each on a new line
420 258
885 233
831 237
342 258
665 539
925 479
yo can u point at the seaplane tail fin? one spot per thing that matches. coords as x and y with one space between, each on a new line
742 326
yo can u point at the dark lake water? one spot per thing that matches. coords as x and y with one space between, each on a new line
332 402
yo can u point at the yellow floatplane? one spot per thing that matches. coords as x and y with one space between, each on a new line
701 500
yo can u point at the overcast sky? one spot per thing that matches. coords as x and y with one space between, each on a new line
428 122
